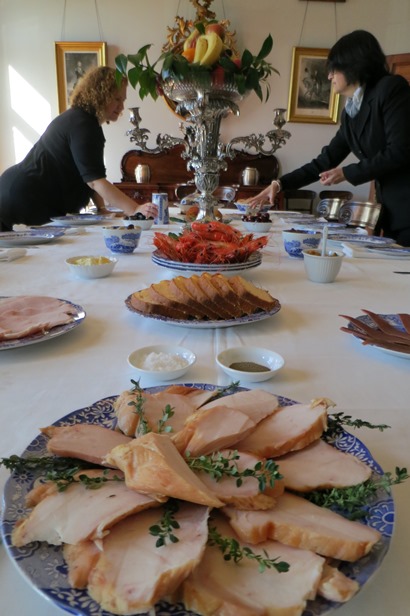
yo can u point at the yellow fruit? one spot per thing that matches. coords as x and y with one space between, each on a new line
214 48
201 48
190 41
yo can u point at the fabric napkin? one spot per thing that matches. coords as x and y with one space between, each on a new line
10 254
352 250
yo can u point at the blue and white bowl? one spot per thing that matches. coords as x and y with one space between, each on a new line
296 241
243 207
122 239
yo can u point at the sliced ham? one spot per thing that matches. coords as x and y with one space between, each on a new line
83 441
256 403
153 407
290 428
81 559
336 586
211 430
77 514
26 315
152 465
218 587
296 522
320 466
132 574
247 495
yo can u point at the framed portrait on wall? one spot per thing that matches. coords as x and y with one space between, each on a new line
311 96
73 60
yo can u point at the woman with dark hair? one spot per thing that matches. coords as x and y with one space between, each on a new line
65 168
375 126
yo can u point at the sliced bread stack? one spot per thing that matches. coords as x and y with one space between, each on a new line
205 297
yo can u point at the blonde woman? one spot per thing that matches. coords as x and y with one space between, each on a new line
65 168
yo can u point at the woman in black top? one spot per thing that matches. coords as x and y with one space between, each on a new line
65 168
375 126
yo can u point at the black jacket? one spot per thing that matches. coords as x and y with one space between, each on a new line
380 138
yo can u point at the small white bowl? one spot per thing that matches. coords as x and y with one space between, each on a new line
161 357
322 269
144 224
91 266
256 355
257 227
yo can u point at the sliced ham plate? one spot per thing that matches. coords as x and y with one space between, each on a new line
26 315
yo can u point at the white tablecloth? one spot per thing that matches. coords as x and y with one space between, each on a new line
41 383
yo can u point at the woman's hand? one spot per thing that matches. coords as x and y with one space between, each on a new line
332 176
268 194
148 209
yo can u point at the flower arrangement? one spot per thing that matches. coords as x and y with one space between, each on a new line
206 56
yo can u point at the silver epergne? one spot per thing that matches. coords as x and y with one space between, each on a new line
203 108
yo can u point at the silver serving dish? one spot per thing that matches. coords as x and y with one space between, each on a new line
191 89
360 214
330 208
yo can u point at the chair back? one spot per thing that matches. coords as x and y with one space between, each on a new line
346 195
299 200
363 214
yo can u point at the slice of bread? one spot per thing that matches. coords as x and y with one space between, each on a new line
239 307
144 303
255 295
166 294
191 294
217 302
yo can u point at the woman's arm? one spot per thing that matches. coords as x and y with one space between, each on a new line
105 192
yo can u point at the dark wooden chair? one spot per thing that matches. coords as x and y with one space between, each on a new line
299 200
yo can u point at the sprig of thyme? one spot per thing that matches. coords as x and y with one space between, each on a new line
232 550
167 524
64 479
223 391
353 500
338 420
143 425
216 465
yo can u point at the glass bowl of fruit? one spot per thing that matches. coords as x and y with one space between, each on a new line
259 222
141 220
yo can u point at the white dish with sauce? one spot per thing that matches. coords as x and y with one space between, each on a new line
162 361
253 364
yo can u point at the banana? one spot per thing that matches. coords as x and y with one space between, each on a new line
191 40
201 48
214 48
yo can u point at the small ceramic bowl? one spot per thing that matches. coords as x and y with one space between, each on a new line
122 239
90 266
296 241
241 363
243 207
322 269
144 224
162 361
257 227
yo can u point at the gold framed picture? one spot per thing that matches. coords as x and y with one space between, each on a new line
311 96
73 60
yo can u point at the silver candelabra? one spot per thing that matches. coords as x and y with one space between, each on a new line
202 110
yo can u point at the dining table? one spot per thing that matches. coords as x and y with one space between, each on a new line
45 381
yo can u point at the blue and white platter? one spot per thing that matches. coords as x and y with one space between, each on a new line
9 239
360 240
54 332
254 260
195 324
392 319
79 219
43 565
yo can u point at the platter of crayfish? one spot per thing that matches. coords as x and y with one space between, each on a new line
208 245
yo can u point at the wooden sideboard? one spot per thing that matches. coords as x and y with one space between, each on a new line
168 169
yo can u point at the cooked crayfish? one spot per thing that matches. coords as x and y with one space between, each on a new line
210 242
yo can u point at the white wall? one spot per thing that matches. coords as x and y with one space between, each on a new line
29 29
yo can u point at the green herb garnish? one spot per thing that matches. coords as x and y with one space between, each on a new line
232 550
338 420
167 524
216 465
